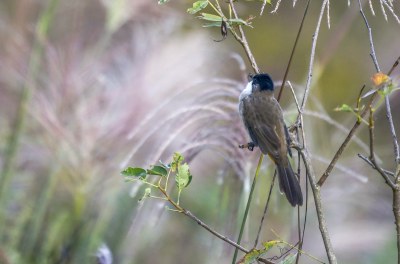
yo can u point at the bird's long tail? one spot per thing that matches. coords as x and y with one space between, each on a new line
289 184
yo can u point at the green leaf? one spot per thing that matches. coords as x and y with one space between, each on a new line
210 17
160 2
387 89
213 24
252 256
238 21
289 259
215 18
344 108
197 6
134 172
176 161
146 194
183 177
270 244
157 170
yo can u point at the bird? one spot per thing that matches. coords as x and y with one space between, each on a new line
263 118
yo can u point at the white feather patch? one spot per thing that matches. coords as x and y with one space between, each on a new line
246 91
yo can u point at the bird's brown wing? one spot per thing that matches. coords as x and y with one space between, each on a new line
268 140
265 127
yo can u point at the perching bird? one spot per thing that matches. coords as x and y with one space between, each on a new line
263 119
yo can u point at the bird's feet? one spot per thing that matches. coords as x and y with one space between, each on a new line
250 146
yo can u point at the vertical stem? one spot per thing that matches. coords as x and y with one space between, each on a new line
42 28
316 189
392 130
322 222
265 210
396 212
246 212
311 64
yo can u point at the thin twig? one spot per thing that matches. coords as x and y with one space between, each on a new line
243 40
278 3
372 151
301 237
209 229
318 205
312 56
342 147
262 7
396 212
293 50
395 64
392 130
371 41
246 212
265 210
182 210
372 165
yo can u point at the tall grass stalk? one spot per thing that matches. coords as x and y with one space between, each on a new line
42 29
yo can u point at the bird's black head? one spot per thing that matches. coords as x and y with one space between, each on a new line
263 82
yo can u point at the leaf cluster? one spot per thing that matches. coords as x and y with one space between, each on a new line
176 167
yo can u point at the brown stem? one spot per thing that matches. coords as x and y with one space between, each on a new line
205 226
224 238
392 130
312 56
371 42
372 152
293 50
243 40
318 206
396 212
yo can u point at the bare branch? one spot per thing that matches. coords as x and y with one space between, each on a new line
392 130
372 165
395 64
262 7
372 152
371 42
209 229
396 212
276 7
243 40
189 214
311 64
318 205
293 50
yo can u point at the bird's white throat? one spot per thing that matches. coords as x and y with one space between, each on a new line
247 91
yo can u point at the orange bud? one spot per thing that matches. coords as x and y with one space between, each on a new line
379 78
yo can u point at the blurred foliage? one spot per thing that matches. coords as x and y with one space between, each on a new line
96 86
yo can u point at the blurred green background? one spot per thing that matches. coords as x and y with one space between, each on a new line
90 87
